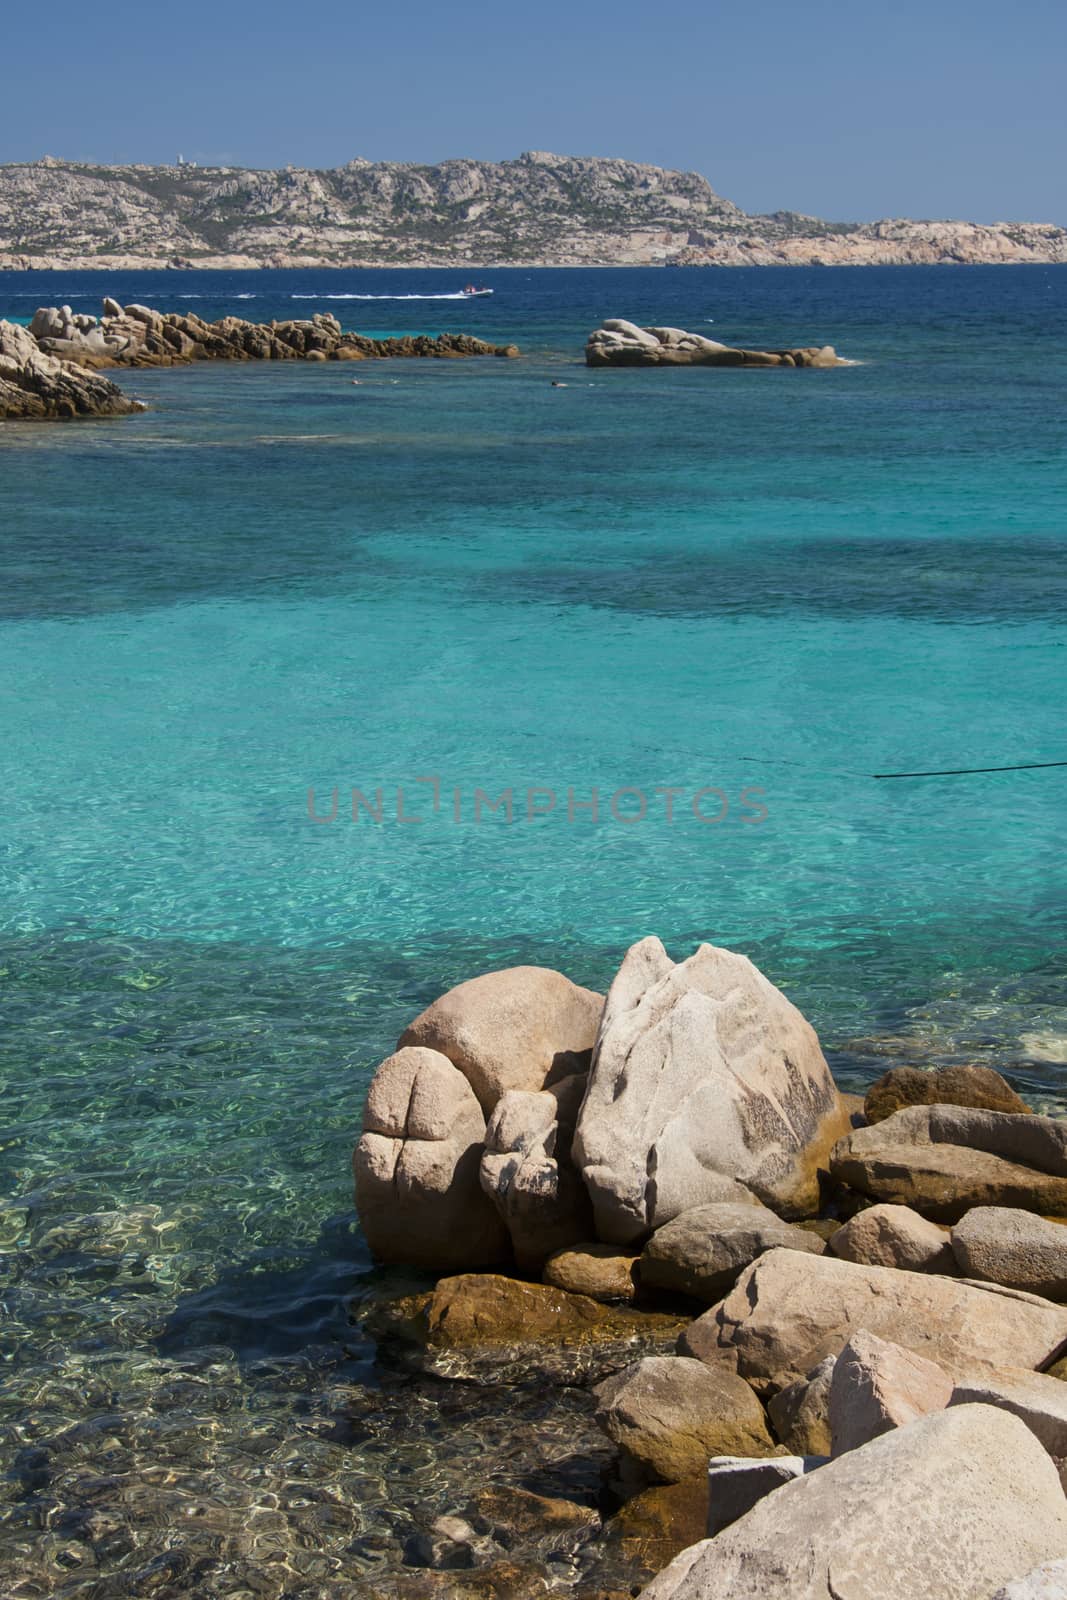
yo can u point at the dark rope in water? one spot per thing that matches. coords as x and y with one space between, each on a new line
959 772
937 772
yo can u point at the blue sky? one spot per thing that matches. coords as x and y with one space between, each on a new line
843 108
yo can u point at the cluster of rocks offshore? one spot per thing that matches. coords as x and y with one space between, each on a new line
46 371
618 343
837 1328
49 371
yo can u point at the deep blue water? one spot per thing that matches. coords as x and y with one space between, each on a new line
274 581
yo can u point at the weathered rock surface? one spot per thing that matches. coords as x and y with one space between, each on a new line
1033 1397
736 1485
521 1028
490 1329
546 209
138 336
942 1160
600 1271
788 1311
669 1415
1015 1248
946 1509
617 343
528 1173
35 386
1046 1582
701 1252
979 1087
800 1413
877 1386
895 1236
416 1167
702 1071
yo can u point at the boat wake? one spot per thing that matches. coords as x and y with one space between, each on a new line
457 295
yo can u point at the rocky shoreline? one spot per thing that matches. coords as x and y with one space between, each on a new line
824 1339
38 387
49 371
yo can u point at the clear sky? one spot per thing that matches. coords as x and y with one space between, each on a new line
849 109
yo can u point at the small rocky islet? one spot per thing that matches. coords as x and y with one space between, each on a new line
822 1339
51 371
618 343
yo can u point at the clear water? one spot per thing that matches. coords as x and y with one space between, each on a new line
275 581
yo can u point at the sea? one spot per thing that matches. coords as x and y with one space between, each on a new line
326 686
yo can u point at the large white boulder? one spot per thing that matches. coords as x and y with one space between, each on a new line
946 1509
516 1029
703 1070
416 1168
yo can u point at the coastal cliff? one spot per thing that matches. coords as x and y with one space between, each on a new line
538 210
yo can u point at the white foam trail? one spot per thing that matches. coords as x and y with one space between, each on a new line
457 295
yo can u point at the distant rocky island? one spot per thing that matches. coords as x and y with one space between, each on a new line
538 210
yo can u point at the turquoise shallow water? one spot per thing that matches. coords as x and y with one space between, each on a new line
274 581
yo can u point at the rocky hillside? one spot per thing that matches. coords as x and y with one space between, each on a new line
538 210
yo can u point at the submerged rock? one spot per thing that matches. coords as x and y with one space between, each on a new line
493 1329
654 1526
551 1526
704 1074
